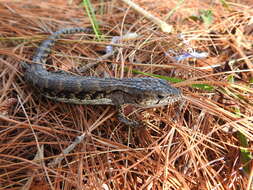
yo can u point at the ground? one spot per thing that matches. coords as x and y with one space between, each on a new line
203 141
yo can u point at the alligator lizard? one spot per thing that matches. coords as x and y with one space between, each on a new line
64 87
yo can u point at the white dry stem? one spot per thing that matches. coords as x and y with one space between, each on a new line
163 25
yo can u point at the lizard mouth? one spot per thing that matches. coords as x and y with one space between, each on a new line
163 102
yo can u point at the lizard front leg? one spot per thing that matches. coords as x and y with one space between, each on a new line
124 119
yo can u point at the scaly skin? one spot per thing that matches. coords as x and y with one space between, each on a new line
143 92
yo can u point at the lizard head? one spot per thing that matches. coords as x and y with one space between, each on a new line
157 92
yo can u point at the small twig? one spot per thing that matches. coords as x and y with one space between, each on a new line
80 139
67 150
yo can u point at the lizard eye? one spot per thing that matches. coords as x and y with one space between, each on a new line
160 96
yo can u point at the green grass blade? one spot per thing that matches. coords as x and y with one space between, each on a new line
91 14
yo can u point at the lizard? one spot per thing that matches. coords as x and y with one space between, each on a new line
64 87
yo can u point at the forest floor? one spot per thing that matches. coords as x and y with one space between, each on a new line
204 141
